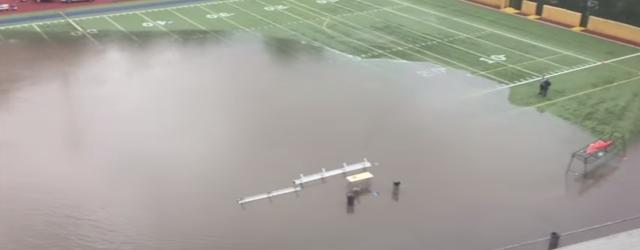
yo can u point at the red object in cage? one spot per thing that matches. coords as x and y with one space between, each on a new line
598 145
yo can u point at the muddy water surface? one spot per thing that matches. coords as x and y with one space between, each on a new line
149 147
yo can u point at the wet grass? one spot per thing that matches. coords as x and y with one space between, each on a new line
601 97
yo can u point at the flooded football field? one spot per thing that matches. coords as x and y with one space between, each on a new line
149 147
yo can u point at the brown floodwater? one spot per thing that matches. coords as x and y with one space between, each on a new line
149 147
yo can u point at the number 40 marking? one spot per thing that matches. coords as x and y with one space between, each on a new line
494 59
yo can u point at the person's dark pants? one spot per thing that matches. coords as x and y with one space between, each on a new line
543 92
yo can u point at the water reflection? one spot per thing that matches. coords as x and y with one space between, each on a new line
395 194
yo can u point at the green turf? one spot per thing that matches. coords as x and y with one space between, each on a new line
508 49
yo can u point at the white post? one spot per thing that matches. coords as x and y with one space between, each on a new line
344 168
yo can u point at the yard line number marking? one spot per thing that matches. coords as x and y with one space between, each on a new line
276 7
431 72
156 23
219 15
89 31
494 59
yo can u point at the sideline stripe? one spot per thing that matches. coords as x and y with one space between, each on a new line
99 10
556 74
115 11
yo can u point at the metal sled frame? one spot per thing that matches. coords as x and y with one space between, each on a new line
298 184
588 159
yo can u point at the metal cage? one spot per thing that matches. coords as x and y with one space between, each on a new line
582 155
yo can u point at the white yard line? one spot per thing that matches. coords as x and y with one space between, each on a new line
122 28
446 42
274 24
627 68
556 74
324 27
304 37
227 19
194 23
527 62
405 44
427 43
125 13
76 26
493 30
29 24
41 33
558 26
263 27
462 33
189 20
302 19
159 26
586 92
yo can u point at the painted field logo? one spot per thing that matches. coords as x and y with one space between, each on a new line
276 7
